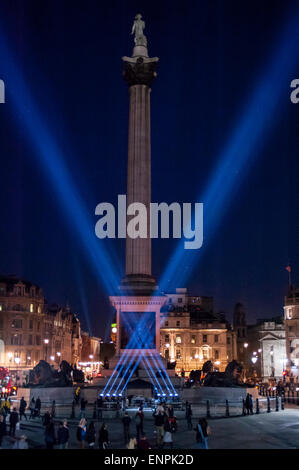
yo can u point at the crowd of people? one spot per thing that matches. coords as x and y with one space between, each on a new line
57 433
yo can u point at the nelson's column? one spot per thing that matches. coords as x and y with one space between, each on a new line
138 302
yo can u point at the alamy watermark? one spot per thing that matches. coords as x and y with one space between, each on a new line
135 222
295 93
2 92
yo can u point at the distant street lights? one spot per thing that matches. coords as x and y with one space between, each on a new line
46 341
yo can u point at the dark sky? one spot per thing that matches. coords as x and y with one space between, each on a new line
212 56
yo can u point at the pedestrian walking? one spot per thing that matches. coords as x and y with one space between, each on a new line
81 433
2 429
251 404
50 438
202 431
22 408
248 404
91 435
13 420
63 435
103 437
46 419
126 423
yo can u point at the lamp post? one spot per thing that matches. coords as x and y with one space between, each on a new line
46 341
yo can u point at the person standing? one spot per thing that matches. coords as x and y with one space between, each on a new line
167 438
139 423
202 431
91 435
103 437
13 420
32 408
22 408
126 423
159 424
50 435
189 415
21 443
53 409
81 433
83 408
2 429
63 435
38 405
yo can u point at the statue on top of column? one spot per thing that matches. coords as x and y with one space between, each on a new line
138 27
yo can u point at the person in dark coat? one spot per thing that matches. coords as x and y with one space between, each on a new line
189 416
143 442
46 418
126 423
91 435
53 409
50 435
38 405
63 435
32 408
2 429
83 408
139 417
22 408
103 437
13 420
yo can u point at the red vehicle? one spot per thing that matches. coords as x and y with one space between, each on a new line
6 387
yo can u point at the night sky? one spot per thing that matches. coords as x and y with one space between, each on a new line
212 56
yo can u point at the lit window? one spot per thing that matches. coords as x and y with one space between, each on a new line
31 308
178 339
193 339
0 308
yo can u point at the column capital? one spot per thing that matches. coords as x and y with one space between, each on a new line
139 70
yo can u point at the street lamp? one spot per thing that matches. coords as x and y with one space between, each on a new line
245 345
52 358
253 359
46 341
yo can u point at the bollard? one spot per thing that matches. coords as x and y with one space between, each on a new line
268 405
257 406
277 404
94 416
208 409
226 408
282 402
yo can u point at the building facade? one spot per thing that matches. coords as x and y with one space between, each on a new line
31 330
291 319
192 334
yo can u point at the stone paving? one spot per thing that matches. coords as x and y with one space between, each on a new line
265 431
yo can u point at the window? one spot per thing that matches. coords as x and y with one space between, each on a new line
216 354
193 339
178 354
178 323
166 338
205 338
37 340
16 339
31 308
1 322
228 340
170 300
0 307
216 338
39 309
166 323
166 354
205 353
180 300
30 340
178 339
38 326
30 324
16 323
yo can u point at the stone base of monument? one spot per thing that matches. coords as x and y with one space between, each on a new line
217 394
